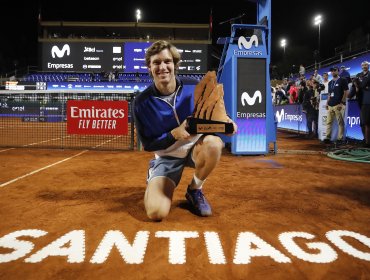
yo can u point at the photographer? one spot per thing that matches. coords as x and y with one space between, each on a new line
361 89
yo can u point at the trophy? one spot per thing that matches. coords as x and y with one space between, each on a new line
209 115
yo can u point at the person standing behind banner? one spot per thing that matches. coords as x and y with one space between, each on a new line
336 104
307 95
361 89
344 73
160 113
325 82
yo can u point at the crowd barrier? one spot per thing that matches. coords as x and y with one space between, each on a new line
291 117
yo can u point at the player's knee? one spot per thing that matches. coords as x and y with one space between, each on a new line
157 214
213 144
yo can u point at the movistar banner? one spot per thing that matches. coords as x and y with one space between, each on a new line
291 117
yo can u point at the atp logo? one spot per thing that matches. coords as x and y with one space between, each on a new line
242 41
280 115
251 100
55 51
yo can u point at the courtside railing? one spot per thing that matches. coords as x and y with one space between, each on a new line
39 119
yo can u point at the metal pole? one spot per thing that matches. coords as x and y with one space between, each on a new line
319 39
319 54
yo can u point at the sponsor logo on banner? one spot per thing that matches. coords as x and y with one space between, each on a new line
283 116
245 45
55 51
97 117
280 115
251 88
251 100
242 41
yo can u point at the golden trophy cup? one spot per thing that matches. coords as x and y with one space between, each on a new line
209 115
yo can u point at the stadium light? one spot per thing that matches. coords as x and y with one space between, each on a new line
138 15
283 44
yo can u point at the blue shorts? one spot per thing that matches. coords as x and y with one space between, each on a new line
170 167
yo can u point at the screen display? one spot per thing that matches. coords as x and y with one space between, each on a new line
126 57
134 57
193 57
251 105
82 57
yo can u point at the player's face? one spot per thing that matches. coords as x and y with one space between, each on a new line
162 67
365 67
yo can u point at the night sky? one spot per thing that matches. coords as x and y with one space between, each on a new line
292 20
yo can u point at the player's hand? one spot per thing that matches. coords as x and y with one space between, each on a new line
180 133
234 125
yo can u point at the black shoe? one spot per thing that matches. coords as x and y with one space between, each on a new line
327 141
340 142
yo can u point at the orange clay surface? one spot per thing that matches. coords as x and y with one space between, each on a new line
299 189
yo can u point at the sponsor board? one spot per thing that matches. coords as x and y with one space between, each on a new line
97 117
251 105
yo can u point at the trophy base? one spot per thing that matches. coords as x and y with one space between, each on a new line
201 126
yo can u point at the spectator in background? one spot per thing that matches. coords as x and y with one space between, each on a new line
336 103
285 85
302 70
317 76
293 93
273 95
299 80
361 89
111 76
344 73
325 82
308 108
302 91
280 97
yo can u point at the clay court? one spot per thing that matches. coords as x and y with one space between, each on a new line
80 215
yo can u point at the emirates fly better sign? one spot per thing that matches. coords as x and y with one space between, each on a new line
97 117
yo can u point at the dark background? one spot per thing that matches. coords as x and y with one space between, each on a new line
292 20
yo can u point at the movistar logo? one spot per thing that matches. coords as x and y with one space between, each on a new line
55 51
247 44
280 115
251 100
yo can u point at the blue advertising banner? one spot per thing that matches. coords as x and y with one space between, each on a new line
353 66
134 57
292 118
353 128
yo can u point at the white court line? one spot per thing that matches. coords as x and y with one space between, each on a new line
7 150
40 169
106 142
59 138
